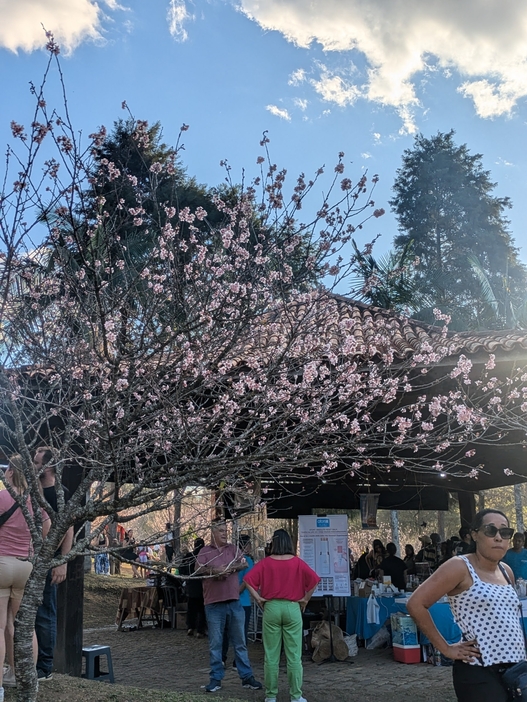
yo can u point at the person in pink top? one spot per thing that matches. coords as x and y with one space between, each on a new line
16 550
282 584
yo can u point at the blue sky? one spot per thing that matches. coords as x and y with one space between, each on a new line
322 76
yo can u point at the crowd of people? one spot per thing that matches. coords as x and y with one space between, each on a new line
124 546
382 560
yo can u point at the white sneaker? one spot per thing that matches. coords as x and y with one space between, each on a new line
9 678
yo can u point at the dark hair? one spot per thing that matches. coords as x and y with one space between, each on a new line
446 549
47 456
378 542
463 532
411 549
281 543
168 526
391 548
198 545
478 519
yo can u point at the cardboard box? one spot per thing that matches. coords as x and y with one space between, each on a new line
365 591
407 654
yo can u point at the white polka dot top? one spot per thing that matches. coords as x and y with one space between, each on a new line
491 615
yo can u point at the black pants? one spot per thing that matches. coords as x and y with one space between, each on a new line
474 683
196 614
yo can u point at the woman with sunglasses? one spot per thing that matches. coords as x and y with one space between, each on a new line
484 604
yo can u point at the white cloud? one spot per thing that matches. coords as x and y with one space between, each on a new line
333 88
279 112
71 21
301 104
177 17
481 43
297 77
114 5
365 155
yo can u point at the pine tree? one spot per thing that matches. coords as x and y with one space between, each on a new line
445 205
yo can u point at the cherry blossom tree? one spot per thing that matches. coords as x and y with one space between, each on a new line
204 362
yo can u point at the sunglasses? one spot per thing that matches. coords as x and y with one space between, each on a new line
491 530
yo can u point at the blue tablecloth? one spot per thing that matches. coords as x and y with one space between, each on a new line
356 618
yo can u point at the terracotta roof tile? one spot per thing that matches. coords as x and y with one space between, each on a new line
408 335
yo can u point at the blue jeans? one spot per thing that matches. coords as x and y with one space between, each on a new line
231 615
102 564
225 646
46 627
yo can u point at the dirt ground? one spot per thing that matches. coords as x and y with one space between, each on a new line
170 660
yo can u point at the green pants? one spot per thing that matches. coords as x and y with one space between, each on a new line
282 623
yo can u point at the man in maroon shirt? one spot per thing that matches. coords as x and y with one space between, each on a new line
221 561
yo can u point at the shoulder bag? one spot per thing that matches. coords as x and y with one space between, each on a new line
515 677
5 516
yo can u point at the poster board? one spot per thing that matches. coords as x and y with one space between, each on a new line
324 547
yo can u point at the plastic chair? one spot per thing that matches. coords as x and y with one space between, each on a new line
93 663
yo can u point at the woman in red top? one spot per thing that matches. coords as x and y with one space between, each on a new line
282 585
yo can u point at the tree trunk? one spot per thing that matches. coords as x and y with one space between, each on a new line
394 521
87 559
26 674
441 524
518 507
177 522
292 528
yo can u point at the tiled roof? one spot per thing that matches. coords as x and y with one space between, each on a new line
408 335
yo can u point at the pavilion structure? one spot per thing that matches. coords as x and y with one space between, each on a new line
500 461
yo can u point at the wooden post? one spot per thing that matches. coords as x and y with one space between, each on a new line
467 508
70 601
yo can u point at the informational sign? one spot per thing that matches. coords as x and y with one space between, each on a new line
324 547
